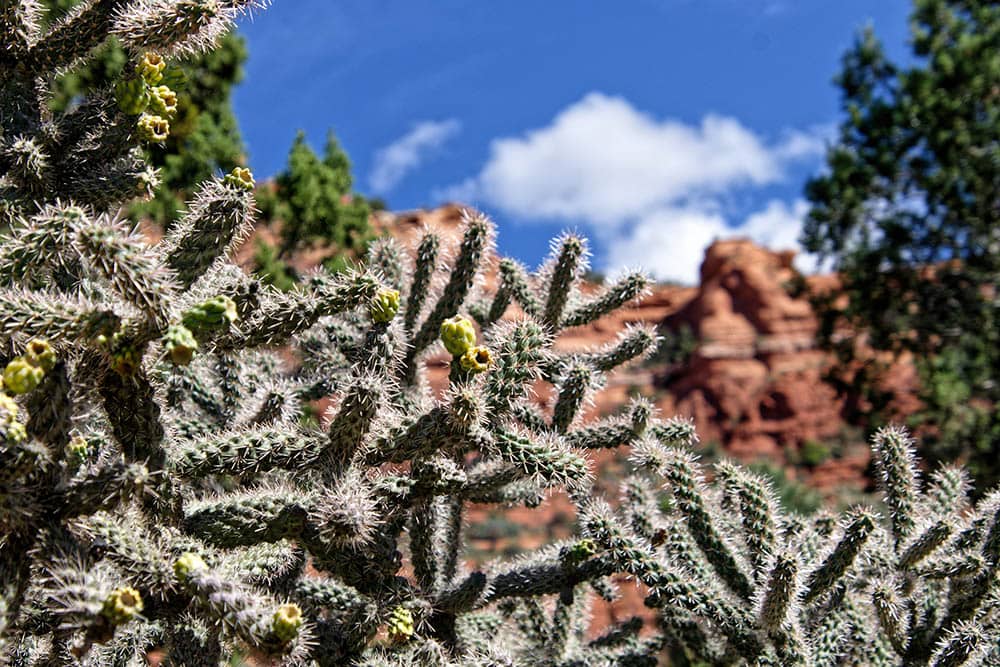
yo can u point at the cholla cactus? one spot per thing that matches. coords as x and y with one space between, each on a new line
160 487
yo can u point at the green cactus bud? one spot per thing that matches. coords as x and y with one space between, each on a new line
133 96
180 344
126 357
476 359
458 335
384 306
8 410
151 67
21 376
16 432
579 552
153 128
122 605
215 314
163 101
77 449
40 353
187 564
240 177
400 626
286 622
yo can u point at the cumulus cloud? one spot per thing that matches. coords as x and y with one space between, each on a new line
651 189
602 160
395 161
670 243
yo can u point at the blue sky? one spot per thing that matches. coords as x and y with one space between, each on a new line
653 126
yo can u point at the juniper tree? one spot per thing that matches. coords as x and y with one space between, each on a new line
159 487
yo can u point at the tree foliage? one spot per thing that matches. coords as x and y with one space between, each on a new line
910 210
314 200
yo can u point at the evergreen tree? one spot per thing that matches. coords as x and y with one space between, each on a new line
910 211
314 201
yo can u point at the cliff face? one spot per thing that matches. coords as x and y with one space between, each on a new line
755 380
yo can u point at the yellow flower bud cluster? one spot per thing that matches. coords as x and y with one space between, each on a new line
240 177
459 337
143 95
24 373
286 622
122 605
400 626
384 306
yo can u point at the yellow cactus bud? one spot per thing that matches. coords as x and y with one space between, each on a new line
286 622
153 128
180 344
476 359
187 564
151 67
212 315
400 625
384 306
40 353
133 96
163 100
122 605
240 177
77 449
458 335
21 376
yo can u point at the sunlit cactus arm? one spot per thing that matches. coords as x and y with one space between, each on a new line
281 315
615 431
178 26
860 526
925 543
26 165
423 272
386 258
893 452
576 386
218 218
59 318
758 510
245 451
273 629
543 459
244 519
100 488
687 487
144 558
947 491
128 265
566 265
477 241
963 645
517 349
635 342
621 292
667 588
73 36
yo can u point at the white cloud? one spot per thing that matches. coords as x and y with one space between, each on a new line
670 243
652 190
602 160
395 161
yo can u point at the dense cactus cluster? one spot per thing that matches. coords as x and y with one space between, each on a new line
164 491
